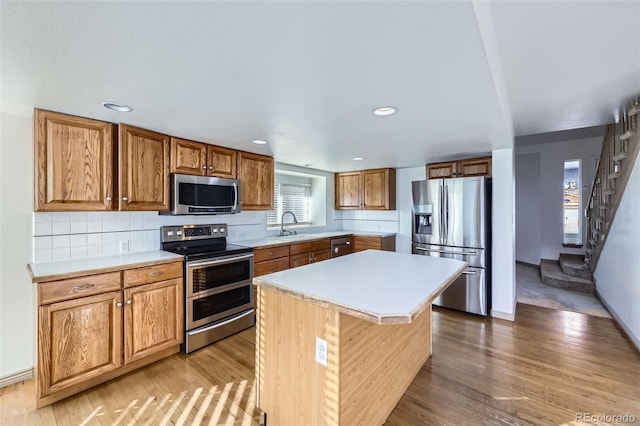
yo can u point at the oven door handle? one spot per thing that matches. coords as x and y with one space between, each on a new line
218 261
220 324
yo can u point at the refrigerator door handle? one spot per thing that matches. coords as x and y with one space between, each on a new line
441 218
468 253
469 272
446 213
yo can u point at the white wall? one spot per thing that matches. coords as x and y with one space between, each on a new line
528 208
404 202
618 271
17 304
552 157
503 271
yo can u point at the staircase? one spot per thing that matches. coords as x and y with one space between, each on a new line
619 153
569 272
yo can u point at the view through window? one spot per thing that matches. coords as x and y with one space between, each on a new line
290 197
571 203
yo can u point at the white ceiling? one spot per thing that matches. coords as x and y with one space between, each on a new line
306 75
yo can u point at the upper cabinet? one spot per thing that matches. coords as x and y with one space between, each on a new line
256 173
74 163
143 169
197 158
366 190
460 168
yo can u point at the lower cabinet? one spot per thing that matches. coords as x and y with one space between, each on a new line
365 242
86 338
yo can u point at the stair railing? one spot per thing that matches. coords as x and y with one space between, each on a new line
619 152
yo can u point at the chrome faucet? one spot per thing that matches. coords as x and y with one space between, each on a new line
284 232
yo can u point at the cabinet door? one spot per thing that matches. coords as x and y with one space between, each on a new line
299 260
143 169
255 173
475 167
78 340
153 319
348 190
379 189
188 157
319 256
442 170
74 163
221 162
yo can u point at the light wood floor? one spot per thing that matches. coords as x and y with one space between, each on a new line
542 369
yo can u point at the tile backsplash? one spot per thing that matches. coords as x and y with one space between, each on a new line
369 220
64 236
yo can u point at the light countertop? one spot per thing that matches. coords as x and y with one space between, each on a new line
380 286
292 239
50 271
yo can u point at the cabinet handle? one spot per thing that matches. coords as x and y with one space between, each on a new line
271 253
156 273
210 167
119 304
108 198
204 167
125 198
129 301
83 287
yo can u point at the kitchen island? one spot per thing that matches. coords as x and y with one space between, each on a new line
339 342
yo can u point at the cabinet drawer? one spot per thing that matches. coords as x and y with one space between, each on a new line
152 274
57 291
300 248
369 242
320 255
321 245
270 266
269 253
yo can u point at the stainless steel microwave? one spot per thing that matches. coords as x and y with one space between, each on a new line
204 195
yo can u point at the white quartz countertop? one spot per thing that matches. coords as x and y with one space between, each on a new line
290 239
380 286
49 271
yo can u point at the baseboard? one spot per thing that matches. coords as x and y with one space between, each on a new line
16 377
533 265
619 321
503 315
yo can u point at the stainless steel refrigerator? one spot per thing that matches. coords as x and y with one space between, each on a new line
452 218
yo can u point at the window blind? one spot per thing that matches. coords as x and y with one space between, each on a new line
290 197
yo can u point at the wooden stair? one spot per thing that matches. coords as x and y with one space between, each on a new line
617 159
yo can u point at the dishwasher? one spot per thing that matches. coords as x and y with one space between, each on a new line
341 246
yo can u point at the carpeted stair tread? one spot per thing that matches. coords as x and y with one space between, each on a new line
573 264
553 276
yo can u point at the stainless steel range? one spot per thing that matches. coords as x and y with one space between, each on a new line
217 282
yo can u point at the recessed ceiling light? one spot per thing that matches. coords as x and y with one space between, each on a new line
358 158
384 111
308 165
115 106
260 142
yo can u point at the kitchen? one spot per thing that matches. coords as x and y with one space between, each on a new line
18 219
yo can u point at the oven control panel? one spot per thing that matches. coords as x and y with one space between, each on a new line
192 232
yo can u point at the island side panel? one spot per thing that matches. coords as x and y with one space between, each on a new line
378 363
293 389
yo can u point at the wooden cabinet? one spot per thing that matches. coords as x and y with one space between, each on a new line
74 163
152 319
270 259
197 158
78 340
143 167
91 329
366 242
366 190
309 252
461 168
256 173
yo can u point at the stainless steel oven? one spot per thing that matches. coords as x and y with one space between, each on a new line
217 282
218 288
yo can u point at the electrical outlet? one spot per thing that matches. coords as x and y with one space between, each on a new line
321 351
123 246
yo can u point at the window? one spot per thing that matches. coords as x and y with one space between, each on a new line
294 197
571 203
